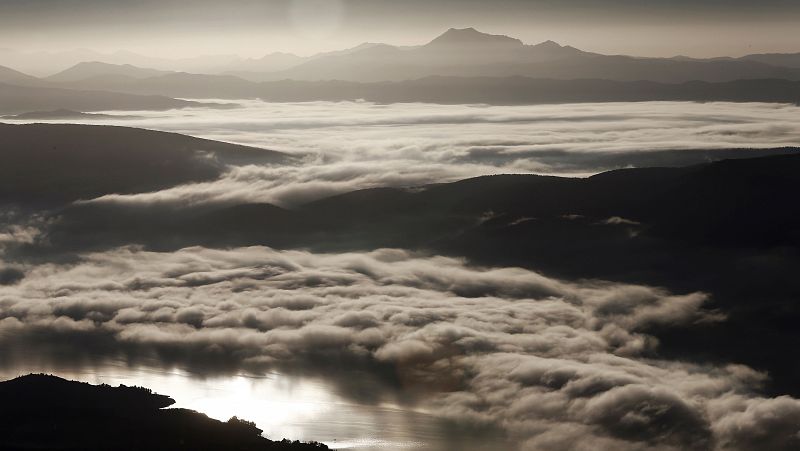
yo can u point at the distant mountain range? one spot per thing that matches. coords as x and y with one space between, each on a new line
468 53
9 75
774 59
43 64
435 89
523 90
460 66
89 70
457 52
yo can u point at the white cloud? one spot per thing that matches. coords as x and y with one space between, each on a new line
558 365
354 145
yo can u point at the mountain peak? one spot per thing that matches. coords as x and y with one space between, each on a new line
472 37
549 44
8 74
552 49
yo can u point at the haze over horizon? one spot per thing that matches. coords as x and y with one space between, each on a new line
252 28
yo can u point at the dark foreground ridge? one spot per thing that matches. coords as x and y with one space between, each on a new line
47 412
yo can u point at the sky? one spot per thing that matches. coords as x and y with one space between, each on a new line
172 28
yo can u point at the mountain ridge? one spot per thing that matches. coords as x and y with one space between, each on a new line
471 53
471 36
21 99
91 69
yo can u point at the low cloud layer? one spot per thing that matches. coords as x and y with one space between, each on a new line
355 145
558 365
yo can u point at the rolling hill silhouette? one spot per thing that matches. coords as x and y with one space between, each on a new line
61 114
8 75
470 53
88 70
15 99
524 91
451 90
51 164
791 60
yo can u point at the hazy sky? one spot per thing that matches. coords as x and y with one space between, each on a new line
256 27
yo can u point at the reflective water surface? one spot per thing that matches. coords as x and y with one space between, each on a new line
287 407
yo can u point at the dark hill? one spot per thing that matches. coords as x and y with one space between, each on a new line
46 412
59 163
15 99
61 114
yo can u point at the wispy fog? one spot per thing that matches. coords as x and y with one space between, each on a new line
353 145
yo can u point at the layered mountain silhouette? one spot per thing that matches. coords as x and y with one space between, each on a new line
46 412
774 59
259 69
89 70
459 66
470 53
272 62
8 75
450 90
47 63
457 52
524 91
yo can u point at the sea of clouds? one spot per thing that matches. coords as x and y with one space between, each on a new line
354 145
558 365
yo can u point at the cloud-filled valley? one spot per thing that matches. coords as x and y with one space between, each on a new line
416 292
558 365
347 146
